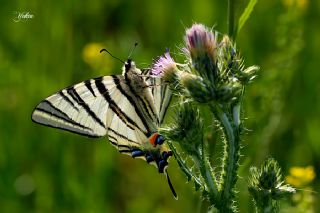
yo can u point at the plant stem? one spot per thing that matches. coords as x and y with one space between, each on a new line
267 206
231 18
184 167
208 175
230 157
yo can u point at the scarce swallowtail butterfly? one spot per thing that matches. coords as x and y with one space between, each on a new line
129 108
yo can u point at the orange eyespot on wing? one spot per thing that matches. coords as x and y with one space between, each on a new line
153 139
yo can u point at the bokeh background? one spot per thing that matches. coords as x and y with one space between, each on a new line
47 170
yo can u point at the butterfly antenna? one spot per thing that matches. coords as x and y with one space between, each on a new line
132 49
105 50
171 186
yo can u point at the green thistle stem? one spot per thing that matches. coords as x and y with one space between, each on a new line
267 206
231 18
231 155
184 167
208 175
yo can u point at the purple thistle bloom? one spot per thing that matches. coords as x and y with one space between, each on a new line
164 64
199 41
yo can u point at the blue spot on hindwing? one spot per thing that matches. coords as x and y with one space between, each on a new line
160 139
137 153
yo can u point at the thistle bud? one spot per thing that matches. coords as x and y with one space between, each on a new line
187 128
266 184
230 60
196 87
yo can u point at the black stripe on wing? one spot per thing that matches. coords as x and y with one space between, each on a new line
165 93
131 100
89 87
49 109
122 136
146 104
58 113
76 97
114 107
64 97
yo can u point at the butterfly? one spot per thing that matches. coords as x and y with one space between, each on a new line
129 108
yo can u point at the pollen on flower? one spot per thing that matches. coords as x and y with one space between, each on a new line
200 40
163 65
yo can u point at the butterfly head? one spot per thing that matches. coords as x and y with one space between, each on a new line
129 64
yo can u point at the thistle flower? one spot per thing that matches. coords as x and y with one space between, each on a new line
200 41
165 67
201 47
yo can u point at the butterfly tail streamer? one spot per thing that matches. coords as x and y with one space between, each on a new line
171 186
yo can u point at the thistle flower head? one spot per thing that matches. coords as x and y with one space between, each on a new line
166 68
164 64
200 41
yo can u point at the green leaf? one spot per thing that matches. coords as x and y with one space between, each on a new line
246 14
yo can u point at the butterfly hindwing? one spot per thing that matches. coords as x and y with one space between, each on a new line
161 94
76 109
96 107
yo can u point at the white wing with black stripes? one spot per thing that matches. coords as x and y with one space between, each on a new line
128 108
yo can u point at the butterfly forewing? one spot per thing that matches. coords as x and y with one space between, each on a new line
91 107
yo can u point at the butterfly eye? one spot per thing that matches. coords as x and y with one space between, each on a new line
160 139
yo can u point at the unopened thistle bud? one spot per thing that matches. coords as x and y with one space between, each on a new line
196 87
230 60
266 184
187 128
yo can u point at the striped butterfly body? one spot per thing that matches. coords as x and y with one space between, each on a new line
129 108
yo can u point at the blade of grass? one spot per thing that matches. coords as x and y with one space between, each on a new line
245 15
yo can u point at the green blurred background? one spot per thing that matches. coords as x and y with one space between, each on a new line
46 170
